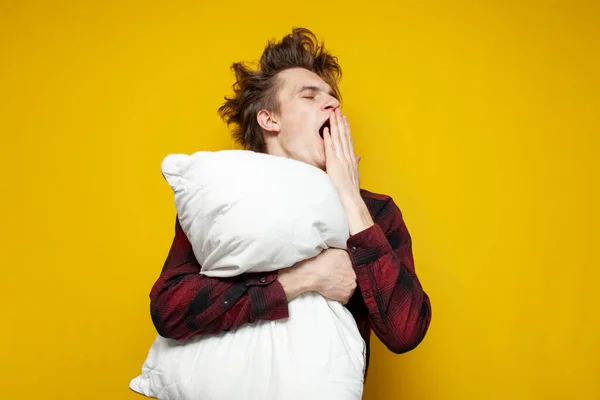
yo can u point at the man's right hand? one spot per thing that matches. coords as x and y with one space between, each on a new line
330 273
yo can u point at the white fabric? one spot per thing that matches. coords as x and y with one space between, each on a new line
251 212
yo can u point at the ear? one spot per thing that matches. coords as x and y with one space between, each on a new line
268 121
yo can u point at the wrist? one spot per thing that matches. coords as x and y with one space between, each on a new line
295 281
359 217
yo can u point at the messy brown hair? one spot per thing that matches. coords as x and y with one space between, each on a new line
255 90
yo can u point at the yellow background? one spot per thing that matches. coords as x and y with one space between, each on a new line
479 118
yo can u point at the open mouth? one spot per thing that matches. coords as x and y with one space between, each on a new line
322 128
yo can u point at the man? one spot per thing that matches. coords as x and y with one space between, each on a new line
289 107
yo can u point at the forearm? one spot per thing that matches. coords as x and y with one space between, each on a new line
185 303
398 307
357 213
293 283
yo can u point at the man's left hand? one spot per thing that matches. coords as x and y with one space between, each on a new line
340 161
342 167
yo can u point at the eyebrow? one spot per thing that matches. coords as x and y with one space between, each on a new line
313 88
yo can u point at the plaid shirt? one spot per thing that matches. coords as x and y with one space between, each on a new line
389 298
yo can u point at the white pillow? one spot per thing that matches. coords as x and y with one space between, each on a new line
245 211
252 212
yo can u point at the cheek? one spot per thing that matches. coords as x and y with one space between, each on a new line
298 128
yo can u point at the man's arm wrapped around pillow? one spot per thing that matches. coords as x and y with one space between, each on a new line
185 303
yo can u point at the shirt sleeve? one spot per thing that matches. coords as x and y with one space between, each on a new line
185 303
399 309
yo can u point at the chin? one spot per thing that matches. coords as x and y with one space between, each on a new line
320 164
315 159
319 161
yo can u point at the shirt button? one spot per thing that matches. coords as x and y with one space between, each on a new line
352 249
263 280
367 295
225 302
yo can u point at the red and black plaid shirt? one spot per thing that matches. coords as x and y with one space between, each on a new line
389 298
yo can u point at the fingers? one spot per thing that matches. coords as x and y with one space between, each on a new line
338 122
350 141
329 147
341 137
341 132
351 292
335 135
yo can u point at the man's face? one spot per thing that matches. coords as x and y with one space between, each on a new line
305 104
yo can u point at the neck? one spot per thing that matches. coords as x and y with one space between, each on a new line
275 149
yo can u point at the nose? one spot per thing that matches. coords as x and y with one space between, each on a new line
331 103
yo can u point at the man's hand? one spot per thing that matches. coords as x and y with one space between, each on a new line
342 167
340 161
330 273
